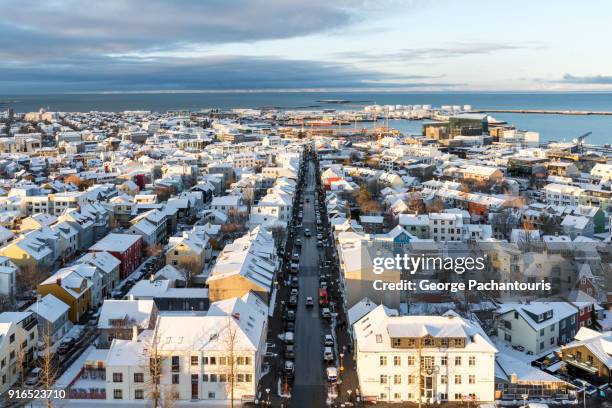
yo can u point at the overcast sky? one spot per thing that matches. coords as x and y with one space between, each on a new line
144 45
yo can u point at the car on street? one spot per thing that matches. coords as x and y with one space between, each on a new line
289 351
307 232
65 345
328 340
325 313
290 326
296 256
328 354
309 301
295 282
288 337
331 373
298 242
319 243
293 300
294 292
290 317
34 376
289 368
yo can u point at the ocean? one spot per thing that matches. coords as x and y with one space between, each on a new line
551 127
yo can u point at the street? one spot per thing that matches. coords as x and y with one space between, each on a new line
309 386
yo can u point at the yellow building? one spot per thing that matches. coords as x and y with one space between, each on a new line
71 288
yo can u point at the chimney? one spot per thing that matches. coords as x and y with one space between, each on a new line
134 333
151 278
236 316
58 281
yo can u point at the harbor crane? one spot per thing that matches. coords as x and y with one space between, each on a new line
579 141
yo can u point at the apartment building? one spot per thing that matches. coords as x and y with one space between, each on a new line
434 358
193 356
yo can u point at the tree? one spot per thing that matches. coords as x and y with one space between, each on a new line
188 269
47 364
228 340
153 361
594 322
31 276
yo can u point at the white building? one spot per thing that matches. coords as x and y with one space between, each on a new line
439 358
559 194
194 358
445 227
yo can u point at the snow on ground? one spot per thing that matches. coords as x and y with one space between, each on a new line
74 369
505 348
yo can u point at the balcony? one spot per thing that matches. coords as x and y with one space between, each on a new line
583 365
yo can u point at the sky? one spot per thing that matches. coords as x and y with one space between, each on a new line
64 46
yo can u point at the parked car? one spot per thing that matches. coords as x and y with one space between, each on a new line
325 313
66 345
328 354
309 301
34 376
288 337
294 292
332 374
328 340
289 368
290 351
290 317
293 300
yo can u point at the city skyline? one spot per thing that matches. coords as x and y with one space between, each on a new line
302 46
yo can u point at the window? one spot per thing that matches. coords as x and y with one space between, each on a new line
117 377
175 363
222 360
194 360
379 338
410 360
205 377
213 378
240 378
472 379
457 378
118 394
541 332
223 378
383 379
397 360
443 396
383 396
248 378
211 395
397 396
541 345
175 379
411 379
212 360
552 340
383 360
472 361
457 361
397 342
12 338
443 360
458 396
139 394
397 379
138 377
443 379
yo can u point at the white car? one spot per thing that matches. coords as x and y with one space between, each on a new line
329 340
331 374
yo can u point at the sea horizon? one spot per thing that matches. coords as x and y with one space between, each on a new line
551 127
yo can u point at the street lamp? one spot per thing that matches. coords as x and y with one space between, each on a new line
268 392
349 392
341 365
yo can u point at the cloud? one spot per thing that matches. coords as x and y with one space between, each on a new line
219 72
453 50
586 80
36 28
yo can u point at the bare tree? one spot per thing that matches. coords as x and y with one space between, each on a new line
188 269
153 361
47 364
228 339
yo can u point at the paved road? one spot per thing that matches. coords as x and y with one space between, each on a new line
309 387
